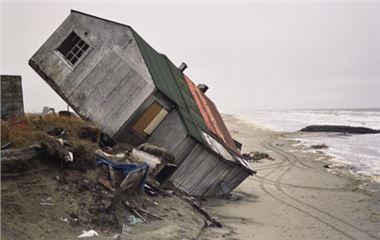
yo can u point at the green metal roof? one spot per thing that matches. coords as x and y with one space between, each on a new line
171 82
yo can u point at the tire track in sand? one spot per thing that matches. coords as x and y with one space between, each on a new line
337 224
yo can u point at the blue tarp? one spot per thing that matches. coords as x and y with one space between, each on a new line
124 168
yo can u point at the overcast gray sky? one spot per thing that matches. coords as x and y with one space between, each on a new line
252 55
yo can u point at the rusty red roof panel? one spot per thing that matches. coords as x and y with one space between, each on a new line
211 116
220 123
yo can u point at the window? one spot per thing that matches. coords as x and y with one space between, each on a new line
73 48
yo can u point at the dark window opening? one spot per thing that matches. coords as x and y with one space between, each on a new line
73 48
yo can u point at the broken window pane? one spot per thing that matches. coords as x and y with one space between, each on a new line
73 48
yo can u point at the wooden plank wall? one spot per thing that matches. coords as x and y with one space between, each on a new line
111 93
109 84
202 172
234 176
172 135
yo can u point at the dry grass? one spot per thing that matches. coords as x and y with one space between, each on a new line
79 137
32 128
20 133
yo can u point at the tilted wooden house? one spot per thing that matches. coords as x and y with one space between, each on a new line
108 74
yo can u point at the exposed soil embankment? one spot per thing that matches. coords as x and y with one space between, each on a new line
47 195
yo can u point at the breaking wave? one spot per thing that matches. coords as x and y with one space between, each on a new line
360 152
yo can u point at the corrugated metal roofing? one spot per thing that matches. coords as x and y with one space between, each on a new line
220 123
170 81
211 115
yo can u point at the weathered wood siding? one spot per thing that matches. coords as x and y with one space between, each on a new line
231 178
127 134
12 103
172 135
200 171
111 81
203 171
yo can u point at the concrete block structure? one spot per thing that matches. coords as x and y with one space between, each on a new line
12 103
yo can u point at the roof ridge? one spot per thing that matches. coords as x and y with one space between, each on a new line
104 19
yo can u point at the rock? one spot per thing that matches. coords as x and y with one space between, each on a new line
255 156
319 146
337 128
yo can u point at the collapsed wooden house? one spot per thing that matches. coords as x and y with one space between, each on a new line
108 74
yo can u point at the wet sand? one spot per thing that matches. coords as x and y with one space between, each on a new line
293 196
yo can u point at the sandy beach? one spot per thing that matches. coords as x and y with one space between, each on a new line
293 196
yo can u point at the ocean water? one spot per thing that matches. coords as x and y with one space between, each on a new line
360 152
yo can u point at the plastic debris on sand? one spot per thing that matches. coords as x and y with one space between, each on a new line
90 233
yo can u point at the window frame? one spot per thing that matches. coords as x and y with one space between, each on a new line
83 56
141 127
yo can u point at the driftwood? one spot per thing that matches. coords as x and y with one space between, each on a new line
136 209
20 153
112 176
140 209
133 209
139 215
19 159
46 204
7 145
202 211
106 183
